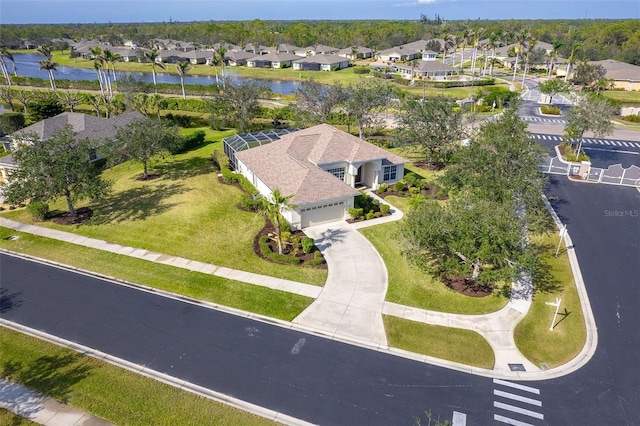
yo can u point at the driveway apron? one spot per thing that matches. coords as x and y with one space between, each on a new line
351 302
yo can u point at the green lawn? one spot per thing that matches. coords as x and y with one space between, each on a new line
409 285
110 392
8 418
532 335
184 212
453 344
626 97
235 294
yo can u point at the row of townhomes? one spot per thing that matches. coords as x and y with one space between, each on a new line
410 60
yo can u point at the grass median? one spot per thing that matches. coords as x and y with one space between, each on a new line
117 395
543 347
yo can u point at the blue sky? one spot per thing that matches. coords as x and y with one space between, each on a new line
84 11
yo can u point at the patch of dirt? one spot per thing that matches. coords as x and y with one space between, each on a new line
429 166
84 215
466 286
150 176
429 191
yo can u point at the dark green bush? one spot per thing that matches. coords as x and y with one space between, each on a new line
11 122
399 186
631 118
265 249
550 109
38 210
317 259
229 177
361 70
308 244
248 202
192 141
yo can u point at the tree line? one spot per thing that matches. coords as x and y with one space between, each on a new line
586 39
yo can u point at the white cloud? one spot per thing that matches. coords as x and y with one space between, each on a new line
415 3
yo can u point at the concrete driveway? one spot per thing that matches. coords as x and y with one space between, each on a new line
351 302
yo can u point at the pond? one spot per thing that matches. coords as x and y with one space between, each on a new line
27 65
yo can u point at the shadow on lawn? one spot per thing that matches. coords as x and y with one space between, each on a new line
53 375
183 169
136 203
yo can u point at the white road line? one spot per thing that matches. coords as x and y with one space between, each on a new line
600 142
516 386
612 150
607 142
556 138
517 398
543 137
637 145
507 420
459 419
518 410
625 144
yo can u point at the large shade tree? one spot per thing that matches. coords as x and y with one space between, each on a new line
366 102
590 113
430 128
237 104
143 140
315 102
57 167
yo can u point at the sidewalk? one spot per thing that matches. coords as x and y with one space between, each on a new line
42 409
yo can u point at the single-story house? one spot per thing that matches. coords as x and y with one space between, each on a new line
429 55
169 56
625 76
318 49
287 48
197 56
235 58
361 52
321 63
256 49
396 54
272 60
127 54
421 45
85 126
320 167
427 69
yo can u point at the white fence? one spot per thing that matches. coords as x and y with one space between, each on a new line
612 175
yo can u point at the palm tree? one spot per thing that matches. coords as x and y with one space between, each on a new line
112 58
50 67
5 71
522 38
571 59
274 208
527 57
183 68
46 51
221 53
97 66
151 56
4 53
451 41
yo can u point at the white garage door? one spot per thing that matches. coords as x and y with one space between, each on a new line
322 213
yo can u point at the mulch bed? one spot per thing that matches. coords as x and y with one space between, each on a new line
149 177
429 191
466 287
268 229
84 214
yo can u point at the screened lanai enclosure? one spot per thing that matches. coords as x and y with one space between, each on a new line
243 141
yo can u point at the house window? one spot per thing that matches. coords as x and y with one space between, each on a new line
389 173
339 173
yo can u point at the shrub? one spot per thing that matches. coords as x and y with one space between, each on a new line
369 215
631 118
356 213
11 122
308 244
317 259
229 177
414 190
385 209
192 141
38 210
550 109
361 70
399 186
382 188
220 160
410 178
246 185
251 203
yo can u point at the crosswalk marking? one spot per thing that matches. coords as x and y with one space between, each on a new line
624 143
509 421
518 410
517 386
517 398
607 142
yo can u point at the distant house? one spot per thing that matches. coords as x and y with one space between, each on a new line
287 48
318 49
235 58
272 60
321 63
85 126
256 49
127 54
625 76
197 56
427 69
320 167
361 52
397 54
421 45
429 55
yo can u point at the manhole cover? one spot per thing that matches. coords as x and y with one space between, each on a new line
516 367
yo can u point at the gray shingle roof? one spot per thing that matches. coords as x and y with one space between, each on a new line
322 59
291 163
617 70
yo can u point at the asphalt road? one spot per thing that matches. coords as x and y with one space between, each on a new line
604 224
305 376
